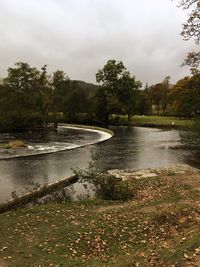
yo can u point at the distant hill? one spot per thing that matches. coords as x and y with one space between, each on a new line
90 88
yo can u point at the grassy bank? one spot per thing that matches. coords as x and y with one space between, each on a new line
158 227
161 120
155 121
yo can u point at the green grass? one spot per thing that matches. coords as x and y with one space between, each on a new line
161 120
156 120
146 231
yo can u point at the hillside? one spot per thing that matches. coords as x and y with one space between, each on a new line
88 87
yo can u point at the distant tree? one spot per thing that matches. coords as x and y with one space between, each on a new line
61 85
45 91
101 105
30 98
142 105
24 87
76 104
185 95
179 98
118 90
23 80
158 96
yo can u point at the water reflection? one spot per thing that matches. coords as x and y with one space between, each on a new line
134 147
131 147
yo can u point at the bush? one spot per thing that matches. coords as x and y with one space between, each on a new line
106 186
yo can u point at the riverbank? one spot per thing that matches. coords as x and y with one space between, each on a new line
158 227
154 122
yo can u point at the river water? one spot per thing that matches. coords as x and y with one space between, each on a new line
130 147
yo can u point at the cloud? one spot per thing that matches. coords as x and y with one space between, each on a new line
80 36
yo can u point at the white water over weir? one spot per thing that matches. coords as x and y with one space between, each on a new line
56 142
104 133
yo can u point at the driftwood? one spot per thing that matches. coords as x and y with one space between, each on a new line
21 201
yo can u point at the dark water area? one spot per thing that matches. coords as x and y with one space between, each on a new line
129 148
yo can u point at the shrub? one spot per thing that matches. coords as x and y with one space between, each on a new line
106 186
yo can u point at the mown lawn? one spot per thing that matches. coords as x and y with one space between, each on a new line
161 120
155 120
160 227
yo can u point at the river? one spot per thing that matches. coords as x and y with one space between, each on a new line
51 156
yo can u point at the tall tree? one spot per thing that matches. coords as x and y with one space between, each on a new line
158 96
76 103
118 87
23 84
186 102
28 95
180 98
142 106
60 84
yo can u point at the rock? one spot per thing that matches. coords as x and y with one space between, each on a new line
151 173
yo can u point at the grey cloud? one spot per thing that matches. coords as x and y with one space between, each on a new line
80 36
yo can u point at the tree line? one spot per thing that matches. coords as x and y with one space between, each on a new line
181 99
31 98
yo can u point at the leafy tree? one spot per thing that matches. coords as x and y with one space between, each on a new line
31 98
25 104
142 105
158 96
178 98
60 84
23 81
101 105
191 29
76 103
185 95
118 89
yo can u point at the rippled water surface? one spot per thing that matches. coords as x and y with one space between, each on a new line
130 147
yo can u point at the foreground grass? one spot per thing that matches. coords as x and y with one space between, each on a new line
160 227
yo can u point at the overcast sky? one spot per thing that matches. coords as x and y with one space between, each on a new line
79 36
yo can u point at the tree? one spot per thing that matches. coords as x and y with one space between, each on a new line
76 103
45 92
178 97
191 29
142 106
60 84
118 89
23 85
158 96
185 95
101 105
